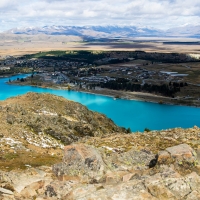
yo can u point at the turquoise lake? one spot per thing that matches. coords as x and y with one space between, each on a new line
137 115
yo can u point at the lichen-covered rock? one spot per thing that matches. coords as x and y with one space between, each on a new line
194 181
114 177
133 190
163 157
182 152
32 189
83 175
194 195
168 184
80 160
136 158
157 188
178 186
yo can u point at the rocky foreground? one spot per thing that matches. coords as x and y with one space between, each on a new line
101 162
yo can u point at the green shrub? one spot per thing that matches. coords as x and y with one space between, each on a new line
147 130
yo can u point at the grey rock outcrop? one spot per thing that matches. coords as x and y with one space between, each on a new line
182 152
87 173
180 155
80 160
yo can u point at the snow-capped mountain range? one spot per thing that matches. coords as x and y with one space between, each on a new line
110 31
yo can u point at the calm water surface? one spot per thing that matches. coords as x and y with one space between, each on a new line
127 113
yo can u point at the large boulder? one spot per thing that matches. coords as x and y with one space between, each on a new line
180 153
80 160
133 190
136 158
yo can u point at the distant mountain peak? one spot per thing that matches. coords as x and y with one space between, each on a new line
110 31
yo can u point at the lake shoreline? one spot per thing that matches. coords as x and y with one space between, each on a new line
131 110
126 95
141 96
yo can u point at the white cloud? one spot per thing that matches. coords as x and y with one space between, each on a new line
155 13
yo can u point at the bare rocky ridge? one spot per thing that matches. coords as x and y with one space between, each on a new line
44 115
102 164
34 126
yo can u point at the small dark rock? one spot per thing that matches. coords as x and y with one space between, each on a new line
153 162
50 192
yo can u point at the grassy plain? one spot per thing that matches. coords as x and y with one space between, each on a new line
13 44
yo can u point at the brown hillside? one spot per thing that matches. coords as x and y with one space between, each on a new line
44 123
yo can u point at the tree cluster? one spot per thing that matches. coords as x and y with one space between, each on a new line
164 89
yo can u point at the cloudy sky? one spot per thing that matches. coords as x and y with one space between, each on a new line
160 14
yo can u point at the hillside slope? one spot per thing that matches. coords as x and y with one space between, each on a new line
102 163
44 123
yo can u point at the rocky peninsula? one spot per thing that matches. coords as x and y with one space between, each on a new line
52 148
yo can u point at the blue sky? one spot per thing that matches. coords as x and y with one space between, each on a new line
161 14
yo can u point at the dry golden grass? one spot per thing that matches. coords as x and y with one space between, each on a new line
23 159
23 44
